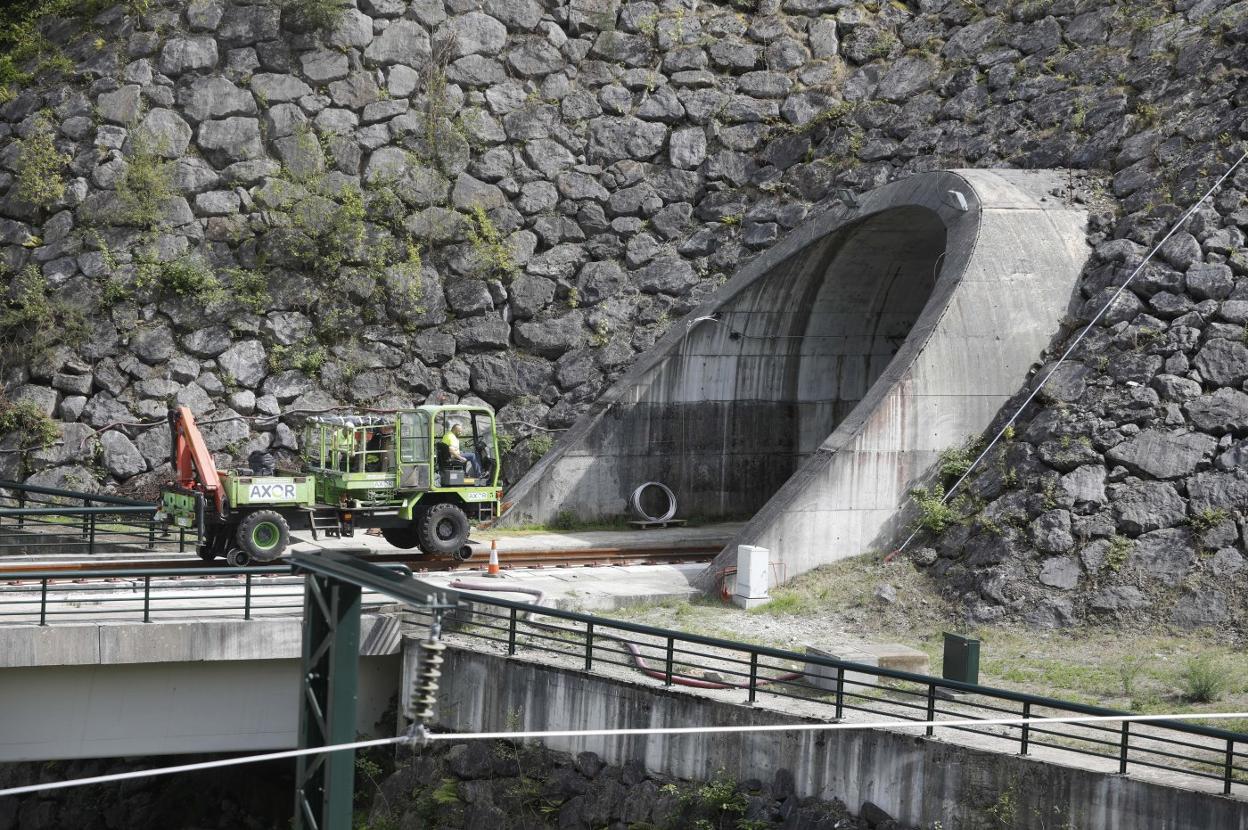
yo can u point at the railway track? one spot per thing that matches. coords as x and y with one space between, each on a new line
571 558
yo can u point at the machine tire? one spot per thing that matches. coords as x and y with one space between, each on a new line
238 558
404 538
442 529
263 535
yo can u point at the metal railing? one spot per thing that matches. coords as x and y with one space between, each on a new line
47 597
837 688
35 519
818 686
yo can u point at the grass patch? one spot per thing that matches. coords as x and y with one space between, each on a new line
32 321
143 190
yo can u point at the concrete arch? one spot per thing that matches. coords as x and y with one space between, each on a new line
816 387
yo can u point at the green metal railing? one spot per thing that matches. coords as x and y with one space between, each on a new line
146 595
838 687
46 520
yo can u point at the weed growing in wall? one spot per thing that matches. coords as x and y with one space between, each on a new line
31 321
28 422
313 15
145 187
489 245
40 166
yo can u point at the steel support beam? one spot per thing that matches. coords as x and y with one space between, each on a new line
325 783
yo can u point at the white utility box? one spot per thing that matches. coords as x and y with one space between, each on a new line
752 572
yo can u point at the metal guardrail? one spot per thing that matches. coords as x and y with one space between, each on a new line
833 687
837 687
47 597
46 519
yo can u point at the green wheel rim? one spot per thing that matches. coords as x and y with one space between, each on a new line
265 536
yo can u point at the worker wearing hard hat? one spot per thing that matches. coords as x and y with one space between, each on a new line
472 467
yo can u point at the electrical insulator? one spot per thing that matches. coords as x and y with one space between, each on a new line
424 696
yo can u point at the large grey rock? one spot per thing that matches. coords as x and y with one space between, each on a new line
1218 491
215 97
244 362
242 25
551 338
402 42
1207 281
69 477
1223 362
687 148
612 139
529 294
182 54
164 133
1165 554
474 33
1200 609
354 29
274 88
121 457
324 65
470 193
209 341
152 345
1226 410
1051 532
121 106
666 275
905 78
1084 486
231 139
1119 598
1147 505
1163 454
1060 572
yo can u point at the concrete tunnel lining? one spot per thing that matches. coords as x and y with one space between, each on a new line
805 359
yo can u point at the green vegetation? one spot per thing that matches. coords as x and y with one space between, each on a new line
249 287
314 14
955 461
1205 679
935 514
489 244
187 277
1119 550
31 321
28 422
539 444
40 165
306 356
143 190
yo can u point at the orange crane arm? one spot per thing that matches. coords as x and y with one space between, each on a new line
193 467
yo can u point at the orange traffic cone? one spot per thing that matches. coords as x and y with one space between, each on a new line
492 568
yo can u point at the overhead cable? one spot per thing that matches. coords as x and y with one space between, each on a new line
610 733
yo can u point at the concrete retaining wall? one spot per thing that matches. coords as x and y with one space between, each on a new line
918 780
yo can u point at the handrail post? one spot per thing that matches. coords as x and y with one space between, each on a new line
247 598
671 655
1026 727
840 692
151 533
1230 766
1123 747
43 601
589 646
147 598
91 537
511 635
931 708
753 676
21 505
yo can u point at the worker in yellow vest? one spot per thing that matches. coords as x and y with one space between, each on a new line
472 467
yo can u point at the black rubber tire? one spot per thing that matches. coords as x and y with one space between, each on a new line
264 535
442 529
404 538
238 558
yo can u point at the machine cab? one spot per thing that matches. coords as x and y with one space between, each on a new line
444 447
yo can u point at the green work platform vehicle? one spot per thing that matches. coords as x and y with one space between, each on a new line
420 475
